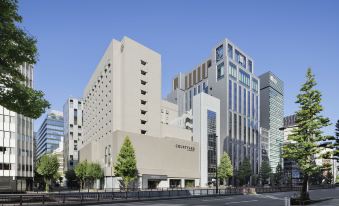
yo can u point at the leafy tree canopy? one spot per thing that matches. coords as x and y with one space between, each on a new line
265 171
17 48
307 134
47 167
245 170
225 169
126 165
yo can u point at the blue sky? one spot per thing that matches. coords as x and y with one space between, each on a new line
285 37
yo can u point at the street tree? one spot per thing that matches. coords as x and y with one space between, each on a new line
80 171
225 169
278 175
17 48
93 172
72 180
265 172
245 171
307 133
126 165
47 167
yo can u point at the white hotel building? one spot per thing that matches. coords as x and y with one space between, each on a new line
123 98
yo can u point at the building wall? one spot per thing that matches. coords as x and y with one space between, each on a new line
16 142
272 114
73 109
169 112
131 72
172 157
207 134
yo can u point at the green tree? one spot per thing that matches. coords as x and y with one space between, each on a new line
245 171
265 172
72 181
307 133
126 165
47 167
17 48
278 175
80 171
225 169
93 172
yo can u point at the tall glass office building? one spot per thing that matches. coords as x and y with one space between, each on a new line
272 114
50 133
228 74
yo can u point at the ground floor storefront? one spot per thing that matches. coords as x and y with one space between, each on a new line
147 181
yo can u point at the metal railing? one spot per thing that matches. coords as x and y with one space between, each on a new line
79 198
108 197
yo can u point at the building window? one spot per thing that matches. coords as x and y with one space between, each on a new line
244 130
255 85
199 89
256 107
220 70
239 96
240 58
229 124
230 51
219 53
143 92
195 91
244 112
250 66
248 103
143 62
143 121
205 87
143 131
235 97
244 77
232 70
190 98
75 116
235 126
143 112
209 64
253 110
212 144
143 72
143 102
230 94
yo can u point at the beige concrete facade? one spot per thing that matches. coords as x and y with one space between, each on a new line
123 98
120 94
172 157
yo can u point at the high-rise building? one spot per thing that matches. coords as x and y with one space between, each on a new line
123 98
272 114
228 74
265 144
50 133
16 144
72 132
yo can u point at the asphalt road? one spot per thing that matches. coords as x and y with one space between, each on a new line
268 199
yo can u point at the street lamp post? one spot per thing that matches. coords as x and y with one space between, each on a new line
216 168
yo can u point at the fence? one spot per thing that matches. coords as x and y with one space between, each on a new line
79 198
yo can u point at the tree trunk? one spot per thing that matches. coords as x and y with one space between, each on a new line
304 195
